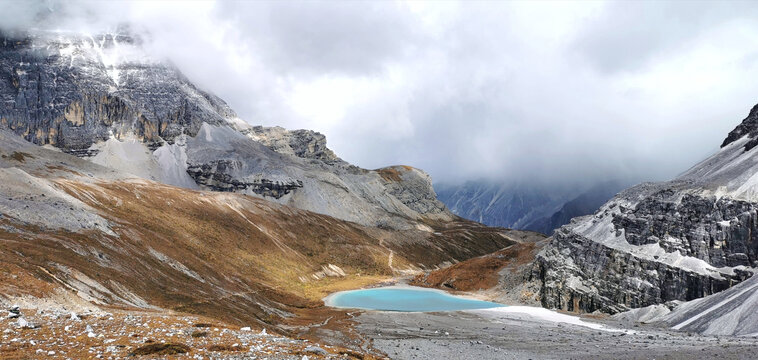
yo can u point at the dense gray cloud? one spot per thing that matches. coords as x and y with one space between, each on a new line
317 38
630 35
533 91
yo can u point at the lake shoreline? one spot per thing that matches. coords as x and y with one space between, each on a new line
428 299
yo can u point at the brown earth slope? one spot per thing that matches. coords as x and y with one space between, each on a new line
233 257
504 271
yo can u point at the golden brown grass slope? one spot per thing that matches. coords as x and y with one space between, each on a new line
483 272
233 257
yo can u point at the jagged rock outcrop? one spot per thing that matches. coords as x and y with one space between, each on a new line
216 176
749 127
413 188
678 240
305 144
103 99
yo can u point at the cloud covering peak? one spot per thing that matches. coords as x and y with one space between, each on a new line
523 91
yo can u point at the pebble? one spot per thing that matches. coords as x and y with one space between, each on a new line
315 350
22 323
14 312
89 332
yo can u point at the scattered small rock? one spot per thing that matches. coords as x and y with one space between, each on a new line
14 312
22 323
315 350
90 332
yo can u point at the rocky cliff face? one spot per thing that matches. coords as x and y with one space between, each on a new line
678 240
103 99
215 175
74 91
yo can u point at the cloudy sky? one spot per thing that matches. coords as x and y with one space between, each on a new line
550 91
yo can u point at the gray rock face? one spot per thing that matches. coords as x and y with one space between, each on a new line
578 274
413 188
69 92
305 144
721 232
215 175
678 240
103 99
38 202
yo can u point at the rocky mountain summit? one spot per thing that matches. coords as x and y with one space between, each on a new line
101 98
657 242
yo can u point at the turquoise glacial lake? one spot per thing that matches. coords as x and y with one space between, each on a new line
404 298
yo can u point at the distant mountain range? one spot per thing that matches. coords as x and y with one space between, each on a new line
522 206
